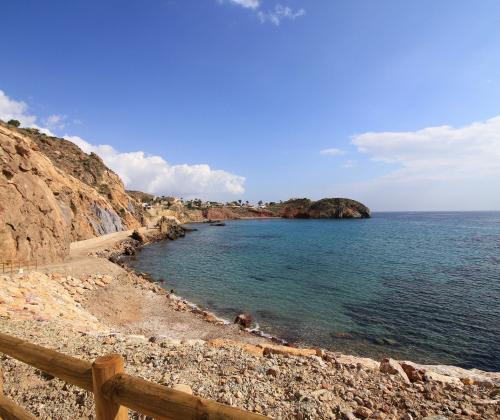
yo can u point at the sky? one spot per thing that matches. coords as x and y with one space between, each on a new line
393 103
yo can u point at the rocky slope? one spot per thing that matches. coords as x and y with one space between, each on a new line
48 201
278 381
91 170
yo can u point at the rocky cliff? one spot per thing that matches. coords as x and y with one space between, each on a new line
51 193
327 208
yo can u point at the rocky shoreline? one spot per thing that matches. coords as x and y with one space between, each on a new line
166 339
414 372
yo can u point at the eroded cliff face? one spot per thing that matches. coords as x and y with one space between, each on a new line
43 208
91 170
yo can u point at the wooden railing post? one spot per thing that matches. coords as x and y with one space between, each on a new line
103 369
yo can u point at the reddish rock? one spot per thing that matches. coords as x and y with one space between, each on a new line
392 367
363 412
414 374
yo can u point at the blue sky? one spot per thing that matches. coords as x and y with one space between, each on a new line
391 102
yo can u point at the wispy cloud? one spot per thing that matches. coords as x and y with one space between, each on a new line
279 13
273 15
55 121
333 152
349 164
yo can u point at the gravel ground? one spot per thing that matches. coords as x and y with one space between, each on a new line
275 385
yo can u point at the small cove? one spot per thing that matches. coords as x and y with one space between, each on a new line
418 286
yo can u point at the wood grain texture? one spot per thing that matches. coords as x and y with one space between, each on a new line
103 369
11 411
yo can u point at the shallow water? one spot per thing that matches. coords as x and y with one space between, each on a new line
421 286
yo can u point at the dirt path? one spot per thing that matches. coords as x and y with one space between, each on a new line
83 248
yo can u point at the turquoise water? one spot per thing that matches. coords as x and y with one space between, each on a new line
422 286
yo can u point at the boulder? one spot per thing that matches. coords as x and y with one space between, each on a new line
365 362
414 374
244 320
443 379
392 367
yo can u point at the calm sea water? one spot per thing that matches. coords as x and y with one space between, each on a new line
421 286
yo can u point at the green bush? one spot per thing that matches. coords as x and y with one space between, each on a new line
15 123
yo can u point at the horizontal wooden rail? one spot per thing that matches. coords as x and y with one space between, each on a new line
114 390
70 369
11 411
161 402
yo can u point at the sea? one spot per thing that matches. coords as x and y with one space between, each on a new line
420 286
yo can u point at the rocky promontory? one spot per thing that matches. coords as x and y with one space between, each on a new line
326 208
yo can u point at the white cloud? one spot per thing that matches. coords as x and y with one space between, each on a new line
248 4
280 13
155 175
15 110
274 16
11 109
333 152
435 168
437 153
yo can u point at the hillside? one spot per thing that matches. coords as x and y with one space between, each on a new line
52 194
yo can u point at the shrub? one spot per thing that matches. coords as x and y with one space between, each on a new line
14 123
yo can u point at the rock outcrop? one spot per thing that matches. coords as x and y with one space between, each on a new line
326 208
227 213
91 170
45 206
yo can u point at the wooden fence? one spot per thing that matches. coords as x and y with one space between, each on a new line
11 266
114 391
